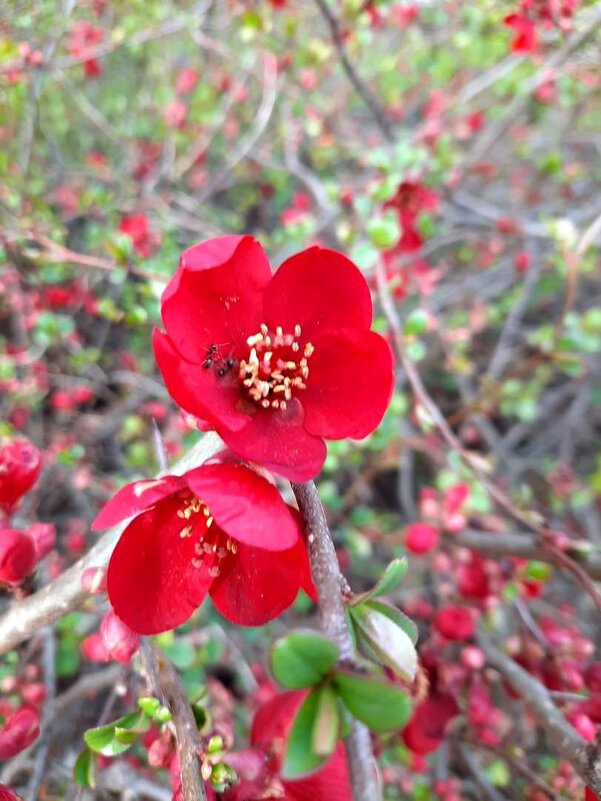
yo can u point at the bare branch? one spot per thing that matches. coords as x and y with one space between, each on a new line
584 757
362 88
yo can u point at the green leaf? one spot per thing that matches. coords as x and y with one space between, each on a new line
389 642
84 770
302 659
327 722
300 759
116 737
389 581
378 704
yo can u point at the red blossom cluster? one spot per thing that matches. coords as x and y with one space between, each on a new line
533 13
137 228
411 199
83 40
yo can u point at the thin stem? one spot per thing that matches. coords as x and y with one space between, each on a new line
361 87
166 684
328 581
584 757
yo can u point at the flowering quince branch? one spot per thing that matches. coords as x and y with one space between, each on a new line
66 592
328 582
166 682
584 757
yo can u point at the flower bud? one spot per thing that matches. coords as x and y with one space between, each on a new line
93 648
17 556
93 580
120 641
20 466
43 536
19 731
455 623
421 538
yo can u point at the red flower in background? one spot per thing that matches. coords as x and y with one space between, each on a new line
136 227
221 530
20 466
275 363
8 794
426 730
18 556
525 39
82 41
19 731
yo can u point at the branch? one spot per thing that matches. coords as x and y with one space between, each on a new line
362 88
167 684
65 593
524 546
584 757
328 582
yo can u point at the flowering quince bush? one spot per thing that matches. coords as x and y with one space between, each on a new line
248 246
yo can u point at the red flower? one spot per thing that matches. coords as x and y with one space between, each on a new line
136 227
455 623
526 39
20 466
19 731
220 529
421 538
270 729
8 794
17 556
425 732
120 642
275 363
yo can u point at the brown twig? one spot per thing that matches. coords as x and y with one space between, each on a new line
584 757
65 592
166 684
362 88
328 581
525 546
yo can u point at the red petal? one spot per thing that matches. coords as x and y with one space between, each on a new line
272 440
216 296
350 384
318 289
270 729
135 498
196 389
332 781
306 580
257 585
245 506
152 584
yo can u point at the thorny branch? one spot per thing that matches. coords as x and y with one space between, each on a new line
328 581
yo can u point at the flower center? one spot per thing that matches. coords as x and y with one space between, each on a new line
275 368
212 545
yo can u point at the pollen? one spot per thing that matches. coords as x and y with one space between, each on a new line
277 366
